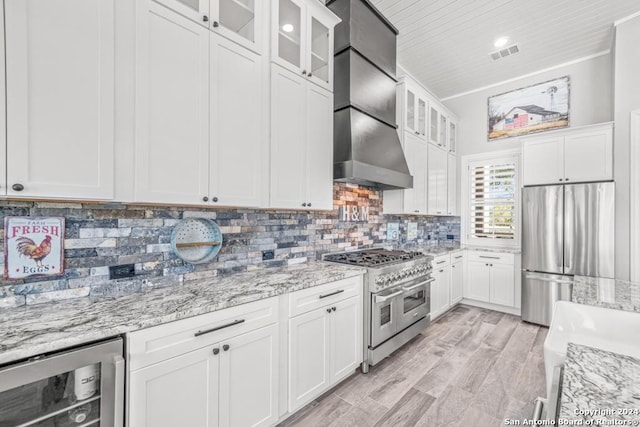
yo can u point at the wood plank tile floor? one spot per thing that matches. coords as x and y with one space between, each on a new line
472 367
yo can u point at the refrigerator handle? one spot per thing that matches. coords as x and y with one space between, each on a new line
118 405
569 229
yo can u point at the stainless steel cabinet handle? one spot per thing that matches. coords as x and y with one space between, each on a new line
380 298
537 409
440 262
332 293
489 257
458 257
118 406
235 322
545 279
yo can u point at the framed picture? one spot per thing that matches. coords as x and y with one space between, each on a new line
537 108
33 247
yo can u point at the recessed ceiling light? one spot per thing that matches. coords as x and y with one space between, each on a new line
501 41
287 28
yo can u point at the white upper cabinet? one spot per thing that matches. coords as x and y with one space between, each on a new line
452 184
452 145
411 201
415 111
443 128
434 124
239 150
60 98
3 116
195 93
437 181
172 107
301 143
576 155
302 39
237 20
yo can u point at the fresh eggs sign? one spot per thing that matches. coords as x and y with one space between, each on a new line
33 247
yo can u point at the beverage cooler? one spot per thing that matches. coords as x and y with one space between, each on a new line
80 387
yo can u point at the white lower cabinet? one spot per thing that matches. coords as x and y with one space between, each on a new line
232 380
325 345
440 291
491 278
457 277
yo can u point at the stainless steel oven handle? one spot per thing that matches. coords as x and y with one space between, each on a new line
118 405
383 298
410 288
546 279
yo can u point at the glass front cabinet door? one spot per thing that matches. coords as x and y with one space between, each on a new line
237 20
302 39
453 135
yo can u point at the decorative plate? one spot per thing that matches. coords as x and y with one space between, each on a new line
196 240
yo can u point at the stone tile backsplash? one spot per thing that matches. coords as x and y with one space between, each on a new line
101 235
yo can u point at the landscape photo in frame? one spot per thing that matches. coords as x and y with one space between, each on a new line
537 108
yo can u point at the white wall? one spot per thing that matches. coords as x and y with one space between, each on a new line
627 99
590 102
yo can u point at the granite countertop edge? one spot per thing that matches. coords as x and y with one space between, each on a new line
30 331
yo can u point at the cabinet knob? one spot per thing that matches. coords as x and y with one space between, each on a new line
310 74
417 211
566 179
304 72
17 187
205 199
333 308
205 18
216 351
328 310
215 199
441 271
490 265
215 24
225 347
309 204
560 180
304 205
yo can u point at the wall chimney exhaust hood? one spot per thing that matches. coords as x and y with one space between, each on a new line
366 146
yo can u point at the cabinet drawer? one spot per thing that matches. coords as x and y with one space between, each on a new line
491 257
309 299
457 257
441 261
153 345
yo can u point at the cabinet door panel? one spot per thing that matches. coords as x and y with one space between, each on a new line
453 137
60 97
478 281
3 111
456 281
346 338
543 161
588 156
415 199
240 21
172 107
288 133
195 10
452 184
236 125
319 148
289 36
182 391
440 291
437 179
410 109
502 284
308 357
434 124
249 379
320 53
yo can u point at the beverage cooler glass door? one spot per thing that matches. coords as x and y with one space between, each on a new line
83 387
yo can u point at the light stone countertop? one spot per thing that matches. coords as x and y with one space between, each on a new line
32 330
607 293
600 385
490 249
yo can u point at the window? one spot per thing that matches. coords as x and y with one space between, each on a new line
492 212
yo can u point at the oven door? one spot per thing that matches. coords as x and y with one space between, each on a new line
415 302
384 317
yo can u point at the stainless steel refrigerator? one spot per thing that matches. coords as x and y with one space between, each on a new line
567 230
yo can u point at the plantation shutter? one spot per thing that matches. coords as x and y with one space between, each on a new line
493 201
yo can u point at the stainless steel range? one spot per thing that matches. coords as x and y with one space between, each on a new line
396 298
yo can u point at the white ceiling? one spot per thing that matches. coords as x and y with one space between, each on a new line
445 43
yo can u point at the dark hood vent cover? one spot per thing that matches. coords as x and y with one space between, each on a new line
366 146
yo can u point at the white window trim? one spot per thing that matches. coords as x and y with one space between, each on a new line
465 201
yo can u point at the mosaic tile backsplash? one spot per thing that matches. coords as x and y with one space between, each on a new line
101 235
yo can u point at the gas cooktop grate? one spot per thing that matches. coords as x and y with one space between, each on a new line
373 257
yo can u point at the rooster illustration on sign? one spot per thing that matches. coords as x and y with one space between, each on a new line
27 247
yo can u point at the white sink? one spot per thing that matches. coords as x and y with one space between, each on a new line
612 330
